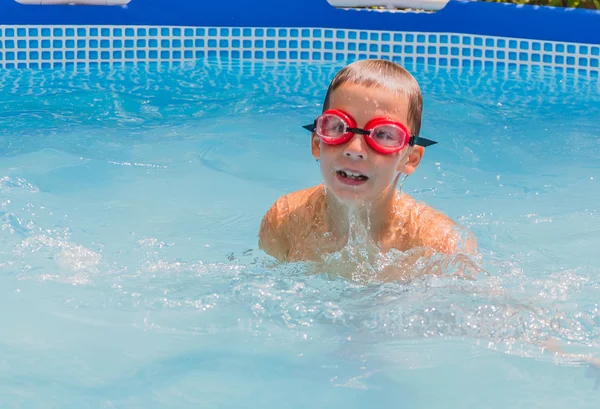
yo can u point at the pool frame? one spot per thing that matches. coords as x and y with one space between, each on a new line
463 34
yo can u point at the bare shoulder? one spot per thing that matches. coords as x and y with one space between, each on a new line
276 225
272 237
299 200
432 228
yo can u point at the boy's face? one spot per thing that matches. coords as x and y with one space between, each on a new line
341 164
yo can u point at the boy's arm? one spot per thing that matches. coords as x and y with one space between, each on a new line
437 231
273 238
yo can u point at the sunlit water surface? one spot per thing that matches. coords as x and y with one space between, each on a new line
130 202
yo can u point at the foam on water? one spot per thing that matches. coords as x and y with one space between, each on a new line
130 204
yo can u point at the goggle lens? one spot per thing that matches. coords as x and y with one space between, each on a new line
389 136
331 127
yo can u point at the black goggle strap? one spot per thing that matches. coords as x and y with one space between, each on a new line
417 140
310 127
414 140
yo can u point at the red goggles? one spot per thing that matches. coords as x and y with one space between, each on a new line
383 135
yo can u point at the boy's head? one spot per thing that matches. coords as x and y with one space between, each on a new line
369 161
386 75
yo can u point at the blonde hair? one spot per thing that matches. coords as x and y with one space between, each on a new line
387 75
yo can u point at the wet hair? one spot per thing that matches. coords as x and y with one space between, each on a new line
387 75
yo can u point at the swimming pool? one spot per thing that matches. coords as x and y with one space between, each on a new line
141 145
130 276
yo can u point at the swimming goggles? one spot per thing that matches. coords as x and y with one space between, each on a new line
335 127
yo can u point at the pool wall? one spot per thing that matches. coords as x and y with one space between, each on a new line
462 34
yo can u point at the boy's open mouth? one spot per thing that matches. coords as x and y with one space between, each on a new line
346 174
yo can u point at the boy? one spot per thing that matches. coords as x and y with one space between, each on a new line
365 140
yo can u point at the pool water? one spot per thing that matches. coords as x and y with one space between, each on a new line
130 277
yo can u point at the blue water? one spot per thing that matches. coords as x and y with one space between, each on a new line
130 201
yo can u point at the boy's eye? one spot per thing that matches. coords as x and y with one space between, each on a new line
334 127
385 134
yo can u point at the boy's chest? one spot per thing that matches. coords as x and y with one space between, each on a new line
355 260
311 239
312 243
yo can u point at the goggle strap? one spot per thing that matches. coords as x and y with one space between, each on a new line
358 131
310 127
424 142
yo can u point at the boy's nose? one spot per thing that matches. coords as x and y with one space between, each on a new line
356 148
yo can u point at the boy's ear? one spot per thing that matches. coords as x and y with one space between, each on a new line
315 145
414 158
